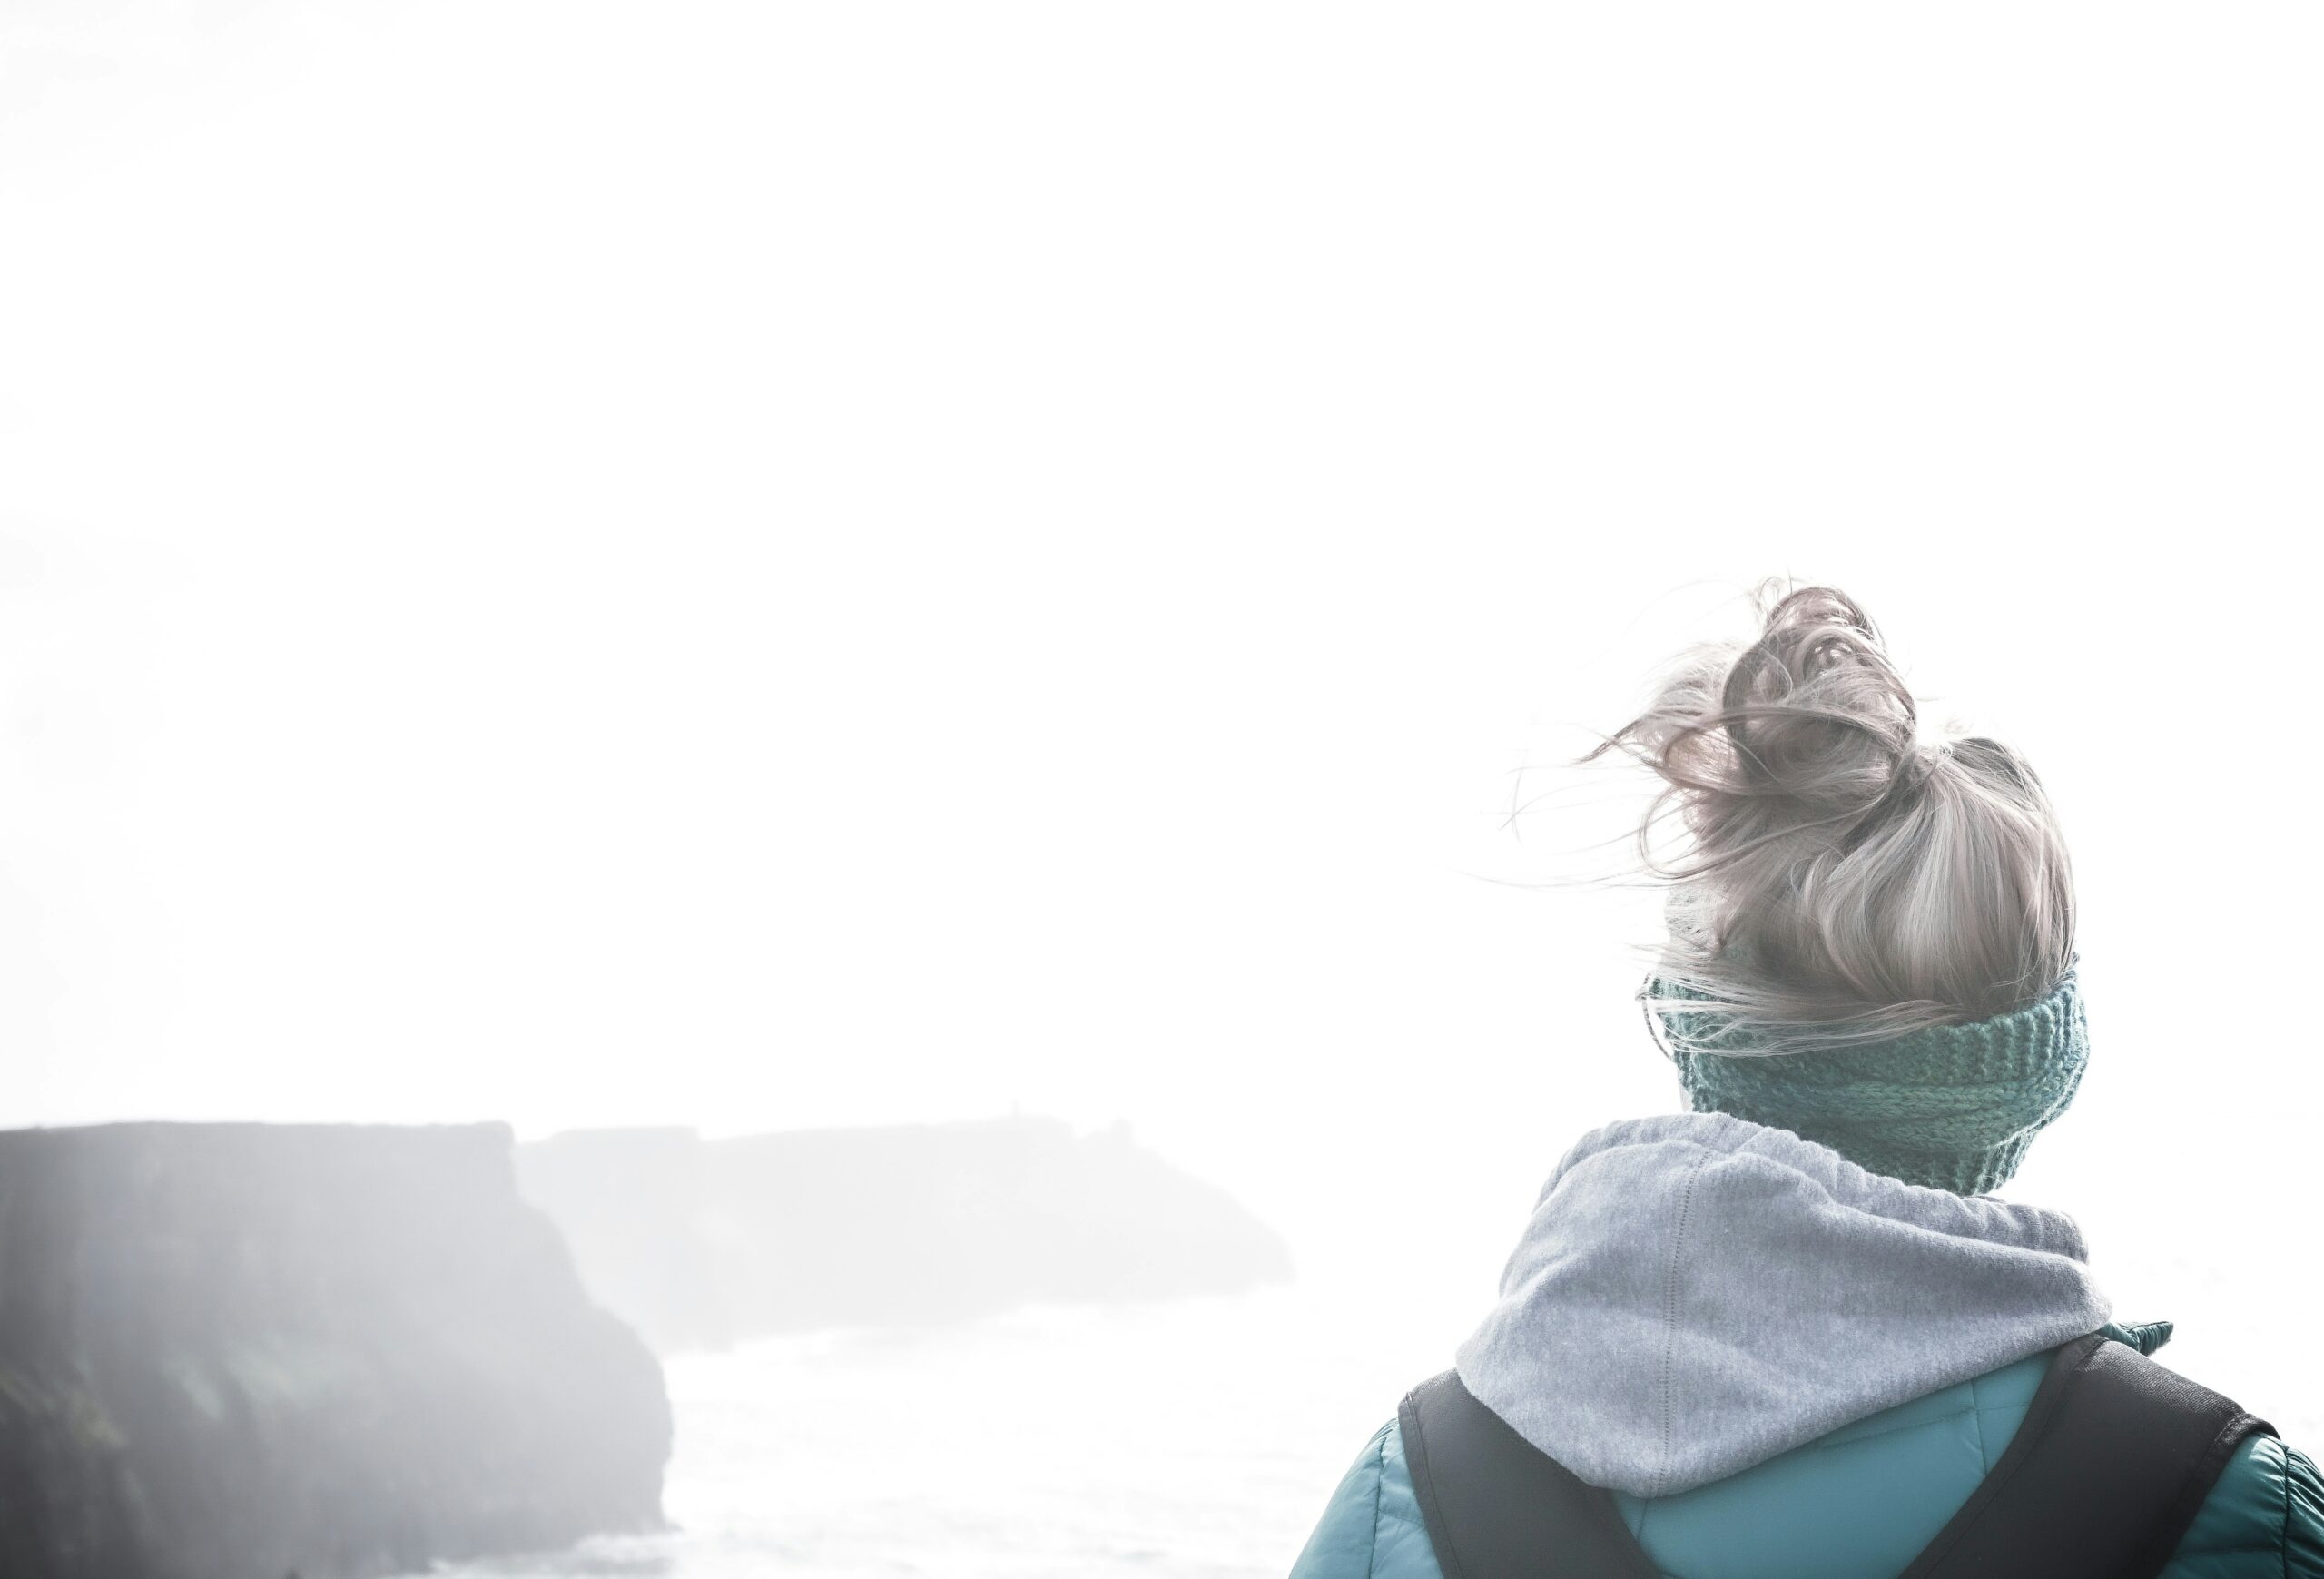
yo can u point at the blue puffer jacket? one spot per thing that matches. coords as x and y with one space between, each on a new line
1783 1366
1859 1503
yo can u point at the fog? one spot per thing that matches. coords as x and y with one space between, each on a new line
762 567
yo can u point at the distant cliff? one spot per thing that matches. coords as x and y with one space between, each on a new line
635 1205
698 1241
241 1351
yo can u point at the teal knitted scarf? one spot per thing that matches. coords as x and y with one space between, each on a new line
1952 1106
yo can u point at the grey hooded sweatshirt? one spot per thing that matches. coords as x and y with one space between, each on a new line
1695 1294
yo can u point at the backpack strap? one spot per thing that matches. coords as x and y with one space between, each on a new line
1498 1507
2112 1463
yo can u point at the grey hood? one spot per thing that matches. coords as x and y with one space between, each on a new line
1695 1294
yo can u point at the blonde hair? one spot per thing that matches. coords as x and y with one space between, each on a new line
1837 880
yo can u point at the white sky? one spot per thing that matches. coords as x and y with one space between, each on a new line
775 565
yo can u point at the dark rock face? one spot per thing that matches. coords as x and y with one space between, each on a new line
698 1241
237 1351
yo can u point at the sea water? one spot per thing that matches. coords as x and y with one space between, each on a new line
1196 1437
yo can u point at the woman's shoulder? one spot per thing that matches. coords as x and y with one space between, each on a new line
1372 1528
2268 1507
1872 1494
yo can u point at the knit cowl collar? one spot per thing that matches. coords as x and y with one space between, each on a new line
1951 1108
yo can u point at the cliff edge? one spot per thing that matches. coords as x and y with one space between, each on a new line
238 1351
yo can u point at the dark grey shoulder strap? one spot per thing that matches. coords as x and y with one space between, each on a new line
1498 1507
2112 1463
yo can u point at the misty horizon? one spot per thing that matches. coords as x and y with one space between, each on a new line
939 655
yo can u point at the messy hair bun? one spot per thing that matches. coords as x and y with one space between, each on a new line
1836 880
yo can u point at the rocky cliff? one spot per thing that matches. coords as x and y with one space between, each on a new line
242 1351
696 1241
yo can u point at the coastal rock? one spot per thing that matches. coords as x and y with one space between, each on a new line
700 1241
237 1351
